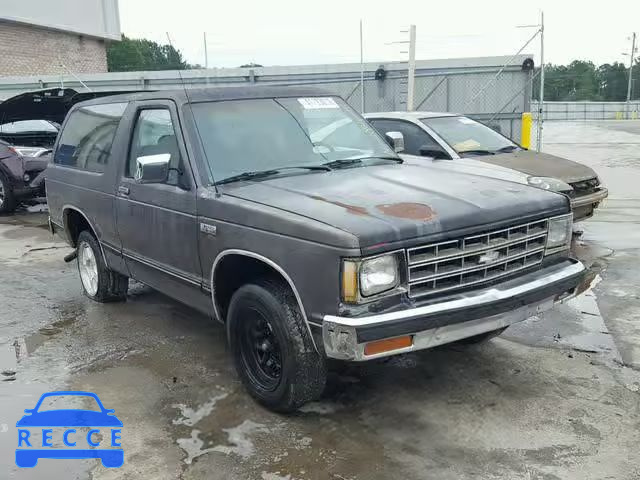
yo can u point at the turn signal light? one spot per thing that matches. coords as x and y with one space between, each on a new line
381 346
350 282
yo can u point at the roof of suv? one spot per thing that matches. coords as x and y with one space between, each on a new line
411 115
213 94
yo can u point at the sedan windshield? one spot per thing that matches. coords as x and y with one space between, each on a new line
468 136
257 135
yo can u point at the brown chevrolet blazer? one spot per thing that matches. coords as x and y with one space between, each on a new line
305 245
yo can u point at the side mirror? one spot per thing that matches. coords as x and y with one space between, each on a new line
152 168
396 140
434 153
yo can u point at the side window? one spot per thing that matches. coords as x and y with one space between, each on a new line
154 134
86 140
414 137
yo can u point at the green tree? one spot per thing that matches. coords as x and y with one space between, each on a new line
137 54
574 82
613 80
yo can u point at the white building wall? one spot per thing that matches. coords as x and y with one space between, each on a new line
97 18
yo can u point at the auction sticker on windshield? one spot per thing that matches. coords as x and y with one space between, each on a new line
91 431
314 103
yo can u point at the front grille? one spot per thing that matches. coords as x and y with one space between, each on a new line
584 187
454 264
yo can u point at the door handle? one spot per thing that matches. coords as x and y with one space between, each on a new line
123 190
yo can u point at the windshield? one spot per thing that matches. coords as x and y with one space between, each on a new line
265 134
24 126
466 135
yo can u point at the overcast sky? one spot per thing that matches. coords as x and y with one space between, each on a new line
296 32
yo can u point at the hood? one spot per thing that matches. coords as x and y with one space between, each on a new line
50 104
470 166
389 203
541 165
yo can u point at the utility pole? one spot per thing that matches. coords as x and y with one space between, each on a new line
631 58
412 68
206 55
541 101
206 59
361 71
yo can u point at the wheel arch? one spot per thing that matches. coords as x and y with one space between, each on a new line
270 266
72 232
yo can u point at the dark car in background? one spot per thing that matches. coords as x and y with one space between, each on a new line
25 148
29 125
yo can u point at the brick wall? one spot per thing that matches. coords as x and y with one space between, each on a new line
29 50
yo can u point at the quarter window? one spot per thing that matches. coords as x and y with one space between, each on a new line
153 135
86 140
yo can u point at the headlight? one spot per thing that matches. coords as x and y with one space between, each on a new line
559 235
549 183
378 274
368 277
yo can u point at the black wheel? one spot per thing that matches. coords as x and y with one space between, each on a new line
272 348
98 282
8 201
483 337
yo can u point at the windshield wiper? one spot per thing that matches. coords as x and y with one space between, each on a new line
477 152
345 162
507 149
382 157
268 173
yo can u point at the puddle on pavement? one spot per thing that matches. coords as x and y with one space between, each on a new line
27 345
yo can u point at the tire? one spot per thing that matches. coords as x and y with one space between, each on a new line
483 337
100 284
264 324
8 202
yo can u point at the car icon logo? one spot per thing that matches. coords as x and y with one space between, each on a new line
104 428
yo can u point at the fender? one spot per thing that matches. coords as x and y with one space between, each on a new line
273 265
65 210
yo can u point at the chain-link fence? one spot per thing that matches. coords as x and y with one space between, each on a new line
469 86
589 110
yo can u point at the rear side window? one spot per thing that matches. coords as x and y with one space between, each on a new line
86 140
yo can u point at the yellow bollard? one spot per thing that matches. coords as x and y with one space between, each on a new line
619 116
634 115
525 135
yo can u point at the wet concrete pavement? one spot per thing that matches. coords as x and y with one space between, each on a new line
554 397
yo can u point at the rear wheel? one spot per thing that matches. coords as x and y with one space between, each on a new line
98 282
272 348
8 201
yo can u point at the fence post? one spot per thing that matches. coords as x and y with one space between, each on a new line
525 134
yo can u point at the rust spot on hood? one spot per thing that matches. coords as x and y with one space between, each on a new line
411 211
349 208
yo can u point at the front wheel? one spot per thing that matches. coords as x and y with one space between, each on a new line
272 347
98 282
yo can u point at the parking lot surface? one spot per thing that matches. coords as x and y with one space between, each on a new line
556 397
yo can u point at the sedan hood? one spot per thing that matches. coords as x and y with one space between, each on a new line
541 165
389 203
470 166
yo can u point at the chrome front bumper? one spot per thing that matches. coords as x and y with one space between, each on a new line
591 199
456 317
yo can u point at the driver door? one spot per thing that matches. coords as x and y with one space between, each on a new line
157 222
